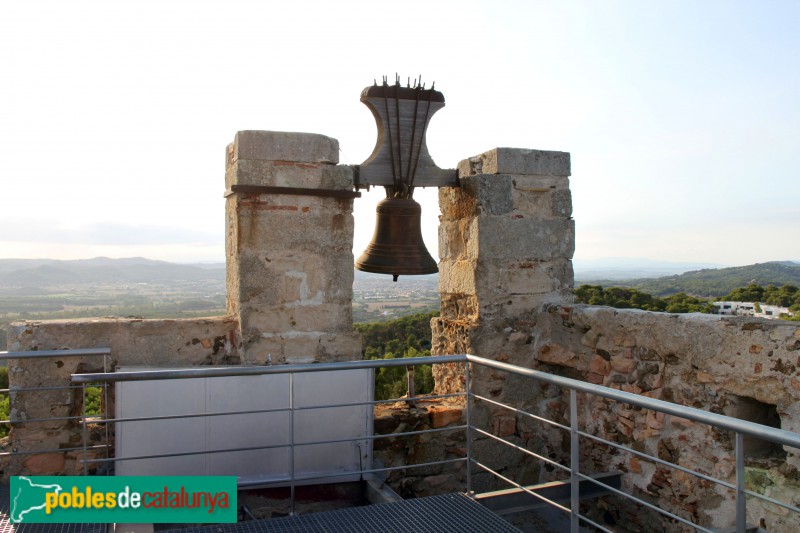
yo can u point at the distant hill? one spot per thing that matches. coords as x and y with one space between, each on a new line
716 282
609 269
49 272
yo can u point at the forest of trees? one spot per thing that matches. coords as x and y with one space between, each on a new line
626 298
784 296
409 336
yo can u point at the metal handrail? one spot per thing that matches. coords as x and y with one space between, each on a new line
779 436
84 352
228 371
738 426
752 429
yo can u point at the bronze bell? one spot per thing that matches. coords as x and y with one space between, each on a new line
397 247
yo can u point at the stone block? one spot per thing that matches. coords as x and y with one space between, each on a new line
294 347
493 193
457 277
289 174
623 365
528 182
46 464
442 416
458 306
285 146
517 161
295 277
456 203
561 203
542 203
458 239
307 318
506 278
317 225
524 239
514 306
557 354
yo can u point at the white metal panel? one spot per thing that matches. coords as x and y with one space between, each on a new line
247 393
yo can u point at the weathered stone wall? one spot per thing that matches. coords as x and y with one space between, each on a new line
399 451
746 368
179 342
290 252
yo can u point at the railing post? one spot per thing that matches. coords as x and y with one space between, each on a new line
574 453
291 441
469 427
741 497
85 432
104 413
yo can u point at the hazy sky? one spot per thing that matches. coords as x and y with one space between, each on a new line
682 117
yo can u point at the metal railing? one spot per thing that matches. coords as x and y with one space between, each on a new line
293 478
740 429
21 419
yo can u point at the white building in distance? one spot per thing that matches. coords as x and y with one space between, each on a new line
754 309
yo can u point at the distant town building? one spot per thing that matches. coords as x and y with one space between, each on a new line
754 309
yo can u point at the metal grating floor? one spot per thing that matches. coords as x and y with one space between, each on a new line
446 513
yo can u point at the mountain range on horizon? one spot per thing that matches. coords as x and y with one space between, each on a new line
655 277
103 270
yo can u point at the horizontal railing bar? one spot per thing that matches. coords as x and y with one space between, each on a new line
288 445
186 453
376 402
259 411
37 389
520 448
525 489
780 436
388 435
771 500
658 460
56 450
35 354
520 411
192 373
593 523
32 420
385 469
193 415
642 502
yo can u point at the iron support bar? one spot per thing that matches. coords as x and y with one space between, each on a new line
574 463
741 498
291 440
292 191
469 425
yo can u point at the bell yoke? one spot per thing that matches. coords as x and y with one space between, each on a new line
400 162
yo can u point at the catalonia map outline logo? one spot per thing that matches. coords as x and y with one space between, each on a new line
123 499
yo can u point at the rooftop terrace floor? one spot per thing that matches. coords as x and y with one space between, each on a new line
446 513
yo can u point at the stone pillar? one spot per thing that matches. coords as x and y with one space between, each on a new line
289 248
506 241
